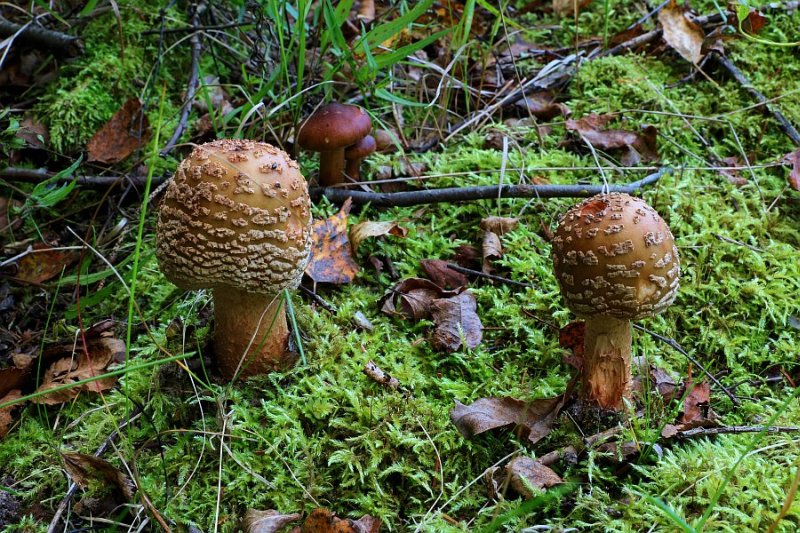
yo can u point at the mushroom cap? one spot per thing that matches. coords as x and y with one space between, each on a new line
614 256
333 127
236 215
361 149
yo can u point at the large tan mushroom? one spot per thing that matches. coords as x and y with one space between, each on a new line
615 261
236 219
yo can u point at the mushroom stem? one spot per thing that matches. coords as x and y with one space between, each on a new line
331 167
353 168
606 362
251 329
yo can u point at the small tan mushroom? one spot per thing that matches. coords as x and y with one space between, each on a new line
236 219
329 131
615 261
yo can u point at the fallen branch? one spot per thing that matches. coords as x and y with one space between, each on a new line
764 105
194 82
37 175
492 277
32 34
375 373
488 192
674 344
705 432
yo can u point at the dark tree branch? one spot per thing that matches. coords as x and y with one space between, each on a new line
32 34
764 105
704 432
488 192
194 82
36 175
674 344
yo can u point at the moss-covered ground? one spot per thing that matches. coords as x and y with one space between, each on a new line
323 435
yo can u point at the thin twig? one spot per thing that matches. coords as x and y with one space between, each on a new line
375 373
195 29
36 175
317 298
783 123
674 344
194 82
492 277
705 432
488 192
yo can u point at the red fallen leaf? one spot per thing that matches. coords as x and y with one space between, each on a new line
571 338
6 413
127 131
697 402
269 521
793 159
533 419
636 147
331 254
526 474
362 230
457 322
437 270
42 263
103 352
754 22
412 297
683 35
324 521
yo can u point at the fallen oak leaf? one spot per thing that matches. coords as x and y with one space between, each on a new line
331 254
369 228
683 35
127 131
457 322
269 521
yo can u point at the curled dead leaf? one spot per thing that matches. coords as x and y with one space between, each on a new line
127 131
331 254
366 229
42 263
533 419
684 35
635 147
101 353
412 297
527 475
86 469
269 521
441 275
324 521
6 413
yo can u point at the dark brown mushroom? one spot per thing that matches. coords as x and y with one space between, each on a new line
356 153
329 131
615 261
236 219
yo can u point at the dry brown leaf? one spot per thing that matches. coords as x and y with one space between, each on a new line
14 375
457 323
499 225
366 229
533 419
732 174
5 215
269 521
127 131
683 35
754 22
324 521
636 147
541 105
441 275
526 474
103 352
492 248
331 254
6 413
569 7
34 133
412 297
696 404
85 469
793 159
571 337
43 263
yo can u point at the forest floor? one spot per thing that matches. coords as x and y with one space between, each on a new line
112 413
